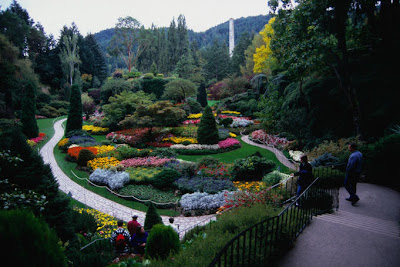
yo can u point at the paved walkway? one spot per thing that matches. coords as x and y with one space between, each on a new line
367 234
277 152
98 202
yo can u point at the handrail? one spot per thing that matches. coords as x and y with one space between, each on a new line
271 233
94 241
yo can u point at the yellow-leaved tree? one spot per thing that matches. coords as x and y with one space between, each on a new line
263 58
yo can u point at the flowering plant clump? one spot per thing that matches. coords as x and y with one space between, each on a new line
33 141
254 186
232 135
95 130
157 144
195 147
221 171
63 142
188 122
131 136
229 142
106 224
262 137
203 201
248 198
195 116
203 184
241 122
142 174
179 140
230 112
74 151
103 163
148 162
104 149
113 179
295 155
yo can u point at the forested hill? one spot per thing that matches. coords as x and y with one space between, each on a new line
220 32
249 24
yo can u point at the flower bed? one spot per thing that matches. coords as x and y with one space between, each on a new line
254 186
139 175
147 162
203 201
203 184
221 171
130 136
189 122
157 144
33 141
145 192
180 140
95 130
241 122
74 151
261 136
229 142
103 163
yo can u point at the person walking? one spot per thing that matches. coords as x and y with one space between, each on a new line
133 225
171 223
120 239
138 241
353 171
305 175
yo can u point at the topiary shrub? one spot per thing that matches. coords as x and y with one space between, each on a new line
84 156
207 133
165 178
162 242
251 168
226 122
42 247
152 217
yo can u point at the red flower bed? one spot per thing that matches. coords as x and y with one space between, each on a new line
74 151
156 144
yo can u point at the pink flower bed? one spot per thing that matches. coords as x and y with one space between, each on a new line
39 139
262 137
157 144
229 142
188 122
147 162
130 136
233 117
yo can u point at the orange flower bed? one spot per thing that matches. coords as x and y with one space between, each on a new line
74 151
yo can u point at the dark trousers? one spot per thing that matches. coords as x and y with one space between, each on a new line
350 183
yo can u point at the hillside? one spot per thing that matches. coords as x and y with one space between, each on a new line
249 24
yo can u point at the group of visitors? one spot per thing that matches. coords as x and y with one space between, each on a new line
353 171
135 237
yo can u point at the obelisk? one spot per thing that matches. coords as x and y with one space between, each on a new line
231 37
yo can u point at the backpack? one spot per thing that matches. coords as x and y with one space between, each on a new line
120 242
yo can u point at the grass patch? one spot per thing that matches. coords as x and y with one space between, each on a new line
212 102
245 151
46 126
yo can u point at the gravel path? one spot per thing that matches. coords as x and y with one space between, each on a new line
98 202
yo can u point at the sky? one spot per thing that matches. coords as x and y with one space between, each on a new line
92 16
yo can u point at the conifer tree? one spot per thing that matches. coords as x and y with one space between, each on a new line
207 133
152 217
28 120
202 95
74 121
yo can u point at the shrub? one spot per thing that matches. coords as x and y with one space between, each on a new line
163 153
251 168
324 160
152 217
162 242
84 156
226 122
83 222
202 201
208 161
203 184
274 177
85 141
207 133
79 132
74 151
49 111
74 121
114 180
28 106
41 249
165 178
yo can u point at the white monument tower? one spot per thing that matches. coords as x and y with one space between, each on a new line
231 37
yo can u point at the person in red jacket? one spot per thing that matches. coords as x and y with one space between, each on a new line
133 225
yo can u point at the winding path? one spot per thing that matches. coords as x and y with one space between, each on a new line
98 202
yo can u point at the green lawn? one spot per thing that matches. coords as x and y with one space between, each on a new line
46 126
212 102
244 151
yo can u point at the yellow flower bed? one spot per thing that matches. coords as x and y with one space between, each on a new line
195 116
95 130
179 140
103 163
106 224
63 142
104 149
231 112
249 186
232 135
31 143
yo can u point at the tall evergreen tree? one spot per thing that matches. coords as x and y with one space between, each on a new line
152 217
172 44
207 133
28 120
74 121
202 95
92 59
182 37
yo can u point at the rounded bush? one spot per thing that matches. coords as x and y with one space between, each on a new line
84 156
162 242
165 178
28 241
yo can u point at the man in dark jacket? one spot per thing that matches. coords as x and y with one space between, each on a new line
353 171
305 175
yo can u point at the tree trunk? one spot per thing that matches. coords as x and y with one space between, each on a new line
343 73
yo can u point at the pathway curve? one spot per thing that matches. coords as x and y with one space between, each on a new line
367 234
98 202
279 155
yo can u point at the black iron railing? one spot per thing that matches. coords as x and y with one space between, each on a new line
264 241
